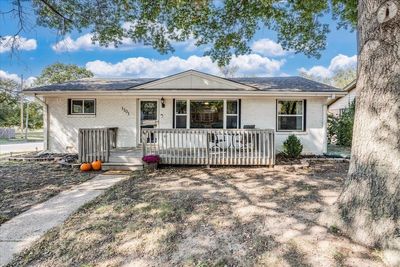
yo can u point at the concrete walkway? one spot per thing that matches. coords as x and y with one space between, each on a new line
21 231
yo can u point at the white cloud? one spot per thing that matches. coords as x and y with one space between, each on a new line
268 47
12 76
249 65
338 62
29 82
85 42
20 43
9 76
189 45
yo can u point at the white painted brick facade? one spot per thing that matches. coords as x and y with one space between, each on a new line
63 128
260 111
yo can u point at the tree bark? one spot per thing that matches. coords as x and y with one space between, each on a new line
369 205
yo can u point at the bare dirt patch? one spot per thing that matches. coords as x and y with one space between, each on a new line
24 184
207 217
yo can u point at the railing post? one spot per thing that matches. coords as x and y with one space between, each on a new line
273 148
107 145
208 148
80 141
144 141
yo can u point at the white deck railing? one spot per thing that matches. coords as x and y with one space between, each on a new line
96 143
210 146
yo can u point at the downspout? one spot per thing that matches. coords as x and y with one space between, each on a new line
325 128
45 120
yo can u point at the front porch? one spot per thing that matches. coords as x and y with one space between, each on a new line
180 147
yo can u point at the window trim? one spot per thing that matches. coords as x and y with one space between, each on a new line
225 114
181 114
290 115
83 106
232 114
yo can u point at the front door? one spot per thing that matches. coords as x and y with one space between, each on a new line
149 116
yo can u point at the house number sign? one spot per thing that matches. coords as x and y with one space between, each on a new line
125 110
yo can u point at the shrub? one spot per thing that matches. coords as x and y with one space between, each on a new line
340 129
151 159
292 147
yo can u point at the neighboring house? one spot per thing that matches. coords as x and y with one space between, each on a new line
187 100
339 105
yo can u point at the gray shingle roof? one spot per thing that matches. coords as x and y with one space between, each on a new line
93 84
294 83
277 84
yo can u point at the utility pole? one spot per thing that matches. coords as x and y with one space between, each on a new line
26 120
22 105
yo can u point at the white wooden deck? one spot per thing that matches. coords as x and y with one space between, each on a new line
181 147
210 146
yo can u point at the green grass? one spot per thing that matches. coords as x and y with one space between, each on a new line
33 136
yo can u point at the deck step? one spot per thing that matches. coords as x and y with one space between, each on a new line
122 166
123 160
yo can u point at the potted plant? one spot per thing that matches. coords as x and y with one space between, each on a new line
151 161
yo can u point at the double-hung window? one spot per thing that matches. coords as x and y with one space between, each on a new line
81 106
290 115
232 114
180 114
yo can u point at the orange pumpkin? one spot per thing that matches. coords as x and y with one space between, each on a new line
86 167
96 165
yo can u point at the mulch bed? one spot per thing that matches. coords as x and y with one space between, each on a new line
58 157
24 184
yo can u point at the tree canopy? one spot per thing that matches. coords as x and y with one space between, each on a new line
59 73
10 114
339 79
10 90
225 26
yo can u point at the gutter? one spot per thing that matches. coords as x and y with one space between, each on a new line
189 93
46 121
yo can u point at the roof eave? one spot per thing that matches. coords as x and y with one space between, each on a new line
153 92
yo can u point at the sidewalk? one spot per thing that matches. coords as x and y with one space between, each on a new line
23 230
21 147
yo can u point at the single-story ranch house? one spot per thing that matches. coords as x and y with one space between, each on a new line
189 100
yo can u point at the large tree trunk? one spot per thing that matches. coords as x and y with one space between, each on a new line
369 206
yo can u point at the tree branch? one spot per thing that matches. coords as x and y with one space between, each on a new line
55 11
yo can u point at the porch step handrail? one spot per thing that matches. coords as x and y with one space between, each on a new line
210 146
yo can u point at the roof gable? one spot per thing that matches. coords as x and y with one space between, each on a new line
194 80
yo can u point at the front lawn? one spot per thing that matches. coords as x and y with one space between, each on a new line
24 184
207 217
33 136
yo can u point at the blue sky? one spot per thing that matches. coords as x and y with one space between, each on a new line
40 47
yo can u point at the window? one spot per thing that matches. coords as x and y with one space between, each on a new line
290 115
207 114
232 111
180 114
148 110
81 106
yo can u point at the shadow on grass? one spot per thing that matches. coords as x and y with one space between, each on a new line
205 217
